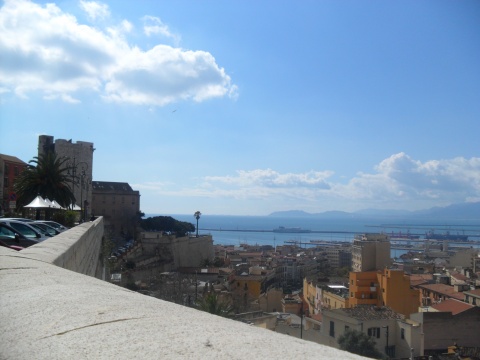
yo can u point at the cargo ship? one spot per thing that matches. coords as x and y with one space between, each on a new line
446 236
291 230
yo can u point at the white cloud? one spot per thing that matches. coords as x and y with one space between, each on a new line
154 26
398 182
45 50
95 10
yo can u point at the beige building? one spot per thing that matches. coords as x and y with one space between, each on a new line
119 204
339 256
80 163
177 252
335 297
391 332
443 329
370 252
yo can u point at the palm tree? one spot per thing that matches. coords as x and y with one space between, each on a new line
47 178
197 216
212 304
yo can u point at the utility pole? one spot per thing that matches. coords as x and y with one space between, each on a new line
386 347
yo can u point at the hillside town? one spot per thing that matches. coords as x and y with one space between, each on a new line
424 304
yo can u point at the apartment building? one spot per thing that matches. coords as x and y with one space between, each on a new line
370 252
119 204
10 168
384 288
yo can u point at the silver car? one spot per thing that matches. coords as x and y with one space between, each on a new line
24 229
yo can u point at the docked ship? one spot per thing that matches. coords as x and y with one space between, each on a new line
446 236
400 235
291 230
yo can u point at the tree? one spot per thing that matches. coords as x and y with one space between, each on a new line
357 342
197 216
212 304
166 223
47 178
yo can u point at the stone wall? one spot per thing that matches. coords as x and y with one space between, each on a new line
77 249
49 312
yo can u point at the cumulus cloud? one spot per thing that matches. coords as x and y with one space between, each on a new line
95 10
154 26
45 50
396 182
271 178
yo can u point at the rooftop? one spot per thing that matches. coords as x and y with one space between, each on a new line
452 305
369 312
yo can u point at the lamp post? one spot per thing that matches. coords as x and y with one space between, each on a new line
74 168
386 347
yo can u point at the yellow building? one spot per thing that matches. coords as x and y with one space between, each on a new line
310 295
335 297
384 288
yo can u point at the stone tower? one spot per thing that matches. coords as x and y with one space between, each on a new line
80 162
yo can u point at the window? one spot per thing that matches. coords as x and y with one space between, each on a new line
5 182
402 333
332 329
15 170
374 332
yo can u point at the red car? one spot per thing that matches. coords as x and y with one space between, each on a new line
14 247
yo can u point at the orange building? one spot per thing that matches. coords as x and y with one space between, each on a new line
384 288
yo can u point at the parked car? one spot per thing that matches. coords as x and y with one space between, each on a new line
13 247
24 229
12 237
51 231
55 225
18 219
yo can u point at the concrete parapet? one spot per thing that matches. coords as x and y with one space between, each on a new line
77 249
48 312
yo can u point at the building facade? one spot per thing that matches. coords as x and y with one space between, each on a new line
384 288
394 336
370 252
119 204
79 157
10 168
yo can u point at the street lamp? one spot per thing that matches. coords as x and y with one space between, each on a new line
386 347
78 179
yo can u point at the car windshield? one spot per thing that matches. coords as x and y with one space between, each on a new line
24 229
6 233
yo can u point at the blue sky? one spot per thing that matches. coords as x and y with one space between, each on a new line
251 107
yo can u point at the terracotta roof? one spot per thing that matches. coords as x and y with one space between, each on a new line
13 159
368 312
475 292
452 305
443 289
458 276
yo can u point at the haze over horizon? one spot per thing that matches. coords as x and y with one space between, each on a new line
245 108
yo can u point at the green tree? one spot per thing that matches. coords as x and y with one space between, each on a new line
46 176
166 223
197 216
212 304
357 342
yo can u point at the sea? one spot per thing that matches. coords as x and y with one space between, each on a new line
258 230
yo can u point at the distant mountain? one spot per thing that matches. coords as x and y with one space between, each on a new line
291 213
467 211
